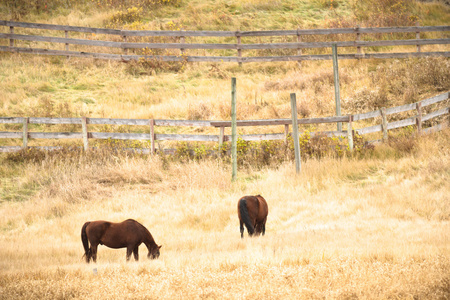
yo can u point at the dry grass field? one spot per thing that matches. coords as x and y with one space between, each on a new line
373 228
371 225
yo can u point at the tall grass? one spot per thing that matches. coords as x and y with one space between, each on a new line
373 225
105 89
366 228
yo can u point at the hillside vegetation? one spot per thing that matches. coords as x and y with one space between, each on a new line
60 87
372 225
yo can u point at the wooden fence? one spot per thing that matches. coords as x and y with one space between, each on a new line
151 136
362 40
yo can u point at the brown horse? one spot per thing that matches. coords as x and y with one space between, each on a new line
129 234
253 211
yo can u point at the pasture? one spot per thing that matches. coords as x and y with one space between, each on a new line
375 225
351 228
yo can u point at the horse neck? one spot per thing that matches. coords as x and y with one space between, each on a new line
148 240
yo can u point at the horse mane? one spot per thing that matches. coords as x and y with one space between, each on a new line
148 236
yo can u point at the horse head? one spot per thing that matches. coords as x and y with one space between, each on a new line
154 253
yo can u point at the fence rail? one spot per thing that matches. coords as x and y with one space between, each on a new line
151 136
124 45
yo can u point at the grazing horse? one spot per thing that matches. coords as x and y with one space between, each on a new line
253 211
129 234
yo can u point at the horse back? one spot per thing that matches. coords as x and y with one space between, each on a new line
256 208
96 229
263 208
135 228
110 234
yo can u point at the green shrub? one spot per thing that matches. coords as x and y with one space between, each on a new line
260 154
131 15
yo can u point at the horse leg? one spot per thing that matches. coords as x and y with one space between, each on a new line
242 229
256 228
136 253
88 255
129 251
94 252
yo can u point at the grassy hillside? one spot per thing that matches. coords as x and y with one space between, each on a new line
56 86
227 14
374 225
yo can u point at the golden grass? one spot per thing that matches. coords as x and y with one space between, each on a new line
375 228
56 87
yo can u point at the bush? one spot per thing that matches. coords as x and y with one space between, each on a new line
21 8
26 155
384 13
146 4
269 153
131 15
365 100
152 63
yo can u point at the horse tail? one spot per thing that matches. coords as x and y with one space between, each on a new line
245 216
84 239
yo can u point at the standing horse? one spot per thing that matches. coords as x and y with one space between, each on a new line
129 234
253 211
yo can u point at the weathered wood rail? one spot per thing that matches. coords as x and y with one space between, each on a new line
124 44
151 136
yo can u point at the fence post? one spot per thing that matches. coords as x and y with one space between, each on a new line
418 36
11 41
25 132
358 38
181 41
350 132
299 50
419 118
152 136
336 85
295 133
85 133
125 50
286 133
66 35
238 36
233 129
384 124
221 134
